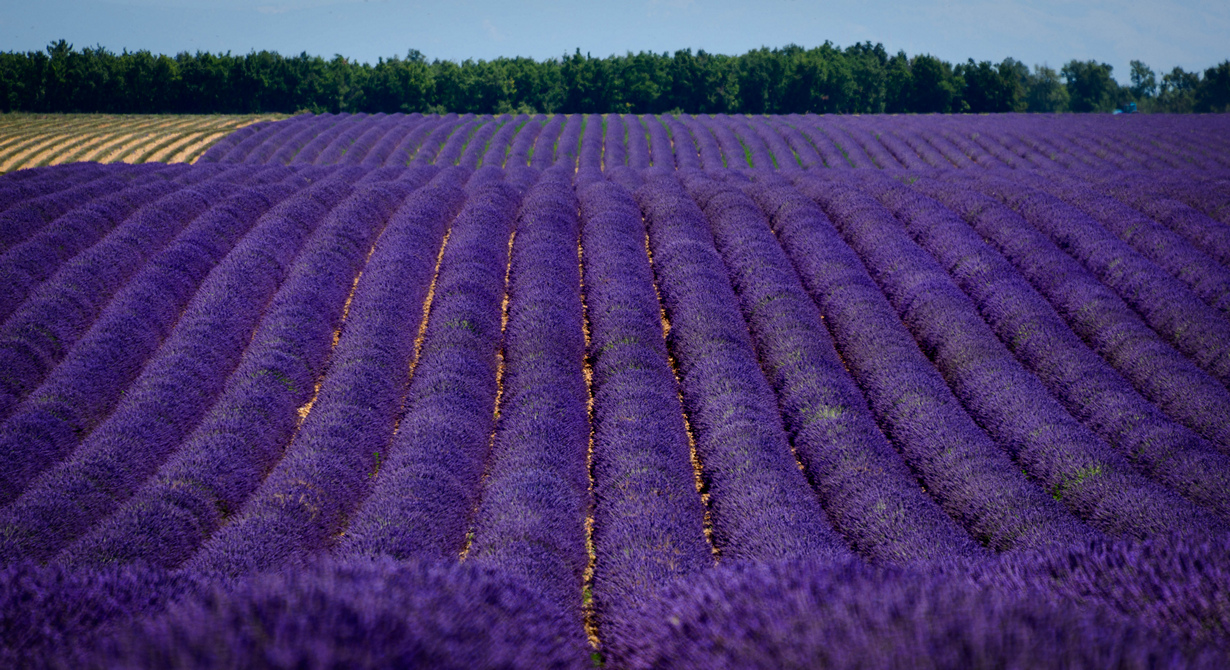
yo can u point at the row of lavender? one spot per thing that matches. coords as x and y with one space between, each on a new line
781 142
226 371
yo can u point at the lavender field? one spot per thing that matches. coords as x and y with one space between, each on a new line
623 391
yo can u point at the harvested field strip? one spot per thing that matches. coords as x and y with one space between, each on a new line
29 140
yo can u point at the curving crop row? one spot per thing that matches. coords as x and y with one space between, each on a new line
648 516
886 517
761 505
82 390
1169 307
243 435
174 391
1088 388
531 518
422 502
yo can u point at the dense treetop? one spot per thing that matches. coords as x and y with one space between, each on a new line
861 78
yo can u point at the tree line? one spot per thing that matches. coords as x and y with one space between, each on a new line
861 78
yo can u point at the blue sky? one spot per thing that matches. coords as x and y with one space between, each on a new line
1165 33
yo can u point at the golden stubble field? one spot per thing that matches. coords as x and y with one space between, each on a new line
33 140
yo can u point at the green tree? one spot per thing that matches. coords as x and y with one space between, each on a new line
1213 92
1044 92
1178 91
1090 86
1144 81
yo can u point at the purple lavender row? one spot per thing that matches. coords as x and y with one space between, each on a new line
648 516
973 480
440 138
405 127
523 143
906 154
259 147
1172 310
245 432
806 154
243 427
932 155
14 192
39 333
450 152
531 519
872 144
501 143
802 132
377 127
1095 313
1212 197
26 219
931 144
31 262
638 143
687 156
591 143
545 146
477 147
762 158
762 506
736 155
570 142
1086 385
1197 270
615 150
660 150
1205 233
980 141
84 388
1082 471
426 490
974 151
838 150
172 394
362 139
785 156
405 150
333 258
282 152
311 151
887 518
224 145
709 154
338 145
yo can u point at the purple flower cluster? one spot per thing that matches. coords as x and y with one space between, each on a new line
1095 481
648 516
543 153
531 519
614 147
1169 307
201 485
806 614
424 494
887 518
956 461
523 143
761 504
79 393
